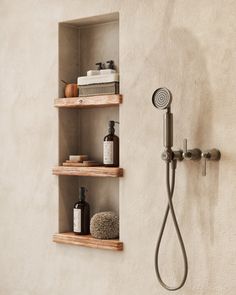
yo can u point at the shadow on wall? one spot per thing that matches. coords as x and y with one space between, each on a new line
195 110
175 58
183 69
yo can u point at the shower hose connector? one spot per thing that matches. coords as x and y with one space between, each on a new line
168 155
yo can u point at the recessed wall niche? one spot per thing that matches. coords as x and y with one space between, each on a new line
83 43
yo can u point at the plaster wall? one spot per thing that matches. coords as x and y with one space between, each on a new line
187 46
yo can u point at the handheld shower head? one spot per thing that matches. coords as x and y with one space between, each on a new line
162 98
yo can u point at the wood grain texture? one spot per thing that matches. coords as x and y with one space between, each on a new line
88 171
87 241
89 101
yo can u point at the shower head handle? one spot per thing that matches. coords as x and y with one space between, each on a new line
168 130
162 99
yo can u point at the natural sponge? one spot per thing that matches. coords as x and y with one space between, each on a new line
105 225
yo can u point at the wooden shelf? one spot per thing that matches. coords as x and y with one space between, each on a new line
89 101
87 241
88 171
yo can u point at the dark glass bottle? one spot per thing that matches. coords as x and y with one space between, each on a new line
111 147
81 215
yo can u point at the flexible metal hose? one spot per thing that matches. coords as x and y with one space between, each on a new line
170 207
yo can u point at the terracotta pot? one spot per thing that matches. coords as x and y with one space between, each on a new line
71 90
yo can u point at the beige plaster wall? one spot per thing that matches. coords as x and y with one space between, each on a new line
188 46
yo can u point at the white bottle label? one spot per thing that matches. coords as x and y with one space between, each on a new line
108 153
77 220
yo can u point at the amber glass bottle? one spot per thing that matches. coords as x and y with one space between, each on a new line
111 147
81 215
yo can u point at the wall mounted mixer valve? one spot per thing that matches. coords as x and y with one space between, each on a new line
197 155
194 154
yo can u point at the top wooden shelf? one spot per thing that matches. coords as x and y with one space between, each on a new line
89 101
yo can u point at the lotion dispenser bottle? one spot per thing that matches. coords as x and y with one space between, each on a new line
81 214
111 147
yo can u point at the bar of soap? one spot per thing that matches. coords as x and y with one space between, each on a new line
90 163
78 158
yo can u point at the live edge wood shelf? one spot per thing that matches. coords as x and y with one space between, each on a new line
89 101
87 241
88 171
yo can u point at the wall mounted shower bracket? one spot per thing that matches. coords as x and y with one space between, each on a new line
169 155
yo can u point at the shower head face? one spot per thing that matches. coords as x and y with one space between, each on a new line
162 98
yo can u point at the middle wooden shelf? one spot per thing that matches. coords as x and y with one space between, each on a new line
88 171
89 101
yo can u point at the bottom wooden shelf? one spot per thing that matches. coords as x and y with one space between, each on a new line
87 241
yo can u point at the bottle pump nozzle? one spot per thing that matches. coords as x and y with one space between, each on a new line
99 65
111 64
111 126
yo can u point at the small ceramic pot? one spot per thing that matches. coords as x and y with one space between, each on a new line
71 90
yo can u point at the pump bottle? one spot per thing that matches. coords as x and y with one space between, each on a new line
111 147
81 214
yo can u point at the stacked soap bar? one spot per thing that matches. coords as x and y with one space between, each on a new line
99 82
80 161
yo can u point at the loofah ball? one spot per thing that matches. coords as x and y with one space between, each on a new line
105 225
